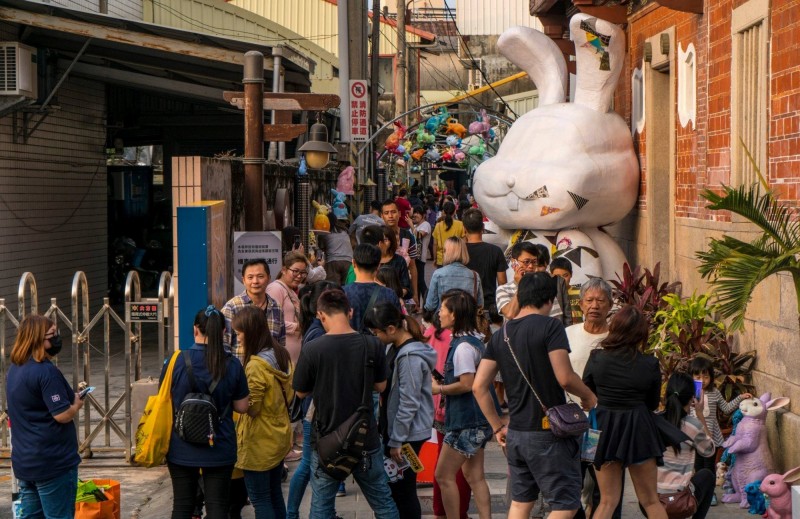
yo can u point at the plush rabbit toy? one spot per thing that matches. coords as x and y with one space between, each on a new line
566 168
753 458
779 489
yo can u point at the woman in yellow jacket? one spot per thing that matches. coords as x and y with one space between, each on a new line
447 227
264 433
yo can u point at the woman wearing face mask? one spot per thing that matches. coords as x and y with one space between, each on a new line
41 405
407 413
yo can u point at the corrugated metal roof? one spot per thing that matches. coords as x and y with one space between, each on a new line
486 18
317 20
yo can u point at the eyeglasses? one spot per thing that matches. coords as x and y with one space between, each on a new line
298 272
528 262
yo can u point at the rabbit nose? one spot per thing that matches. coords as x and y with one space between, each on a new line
511 181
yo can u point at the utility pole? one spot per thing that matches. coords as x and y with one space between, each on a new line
344 71
373 96
254 140
400 88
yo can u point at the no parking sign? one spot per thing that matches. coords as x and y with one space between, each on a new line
359 111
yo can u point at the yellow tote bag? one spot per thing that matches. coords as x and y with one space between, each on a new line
155 426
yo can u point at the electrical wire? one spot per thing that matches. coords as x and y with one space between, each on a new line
59 226
474 63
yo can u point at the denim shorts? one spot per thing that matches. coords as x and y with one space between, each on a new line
469 441
537 460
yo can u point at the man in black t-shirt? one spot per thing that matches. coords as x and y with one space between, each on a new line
331 369
486 259
537 460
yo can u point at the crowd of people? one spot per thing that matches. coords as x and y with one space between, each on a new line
292 357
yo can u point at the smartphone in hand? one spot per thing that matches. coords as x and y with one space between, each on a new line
297 243
85 391
437 376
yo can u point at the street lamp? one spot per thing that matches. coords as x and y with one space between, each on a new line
318 150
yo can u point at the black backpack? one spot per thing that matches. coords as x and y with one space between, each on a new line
197 419
342 449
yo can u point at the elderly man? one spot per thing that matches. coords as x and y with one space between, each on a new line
595 303
583 337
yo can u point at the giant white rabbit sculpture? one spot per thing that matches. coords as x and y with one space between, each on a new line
565 169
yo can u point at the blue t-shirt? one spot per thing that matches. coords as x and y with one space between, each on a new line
233 386
41 448
359 294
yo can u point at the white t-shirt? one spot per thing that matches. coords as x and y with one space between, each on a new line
426 228
581 344
465 359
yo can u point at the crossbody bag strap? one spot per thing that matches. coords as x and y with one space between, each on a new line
370 304
516 361
475 287
366 396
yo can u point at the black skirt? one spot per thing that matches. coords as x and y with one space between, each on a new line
629 436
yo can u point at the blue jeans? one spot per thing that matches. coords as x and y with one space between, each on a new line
373 482
301 476
264 490
50 498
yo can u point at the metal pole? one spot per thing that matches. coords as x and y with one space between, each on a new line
344 71
281 88
253 141
400 88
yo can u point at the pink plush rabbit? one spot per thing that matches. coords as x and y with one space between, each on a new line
779 490
753 458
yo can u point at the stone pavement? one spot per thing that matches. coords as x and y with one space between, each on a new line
149 495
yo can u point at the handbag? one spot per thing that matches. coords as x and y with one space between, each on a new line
565 420
590 439
155 426
109 508
484 326
342 449
294 408
679 505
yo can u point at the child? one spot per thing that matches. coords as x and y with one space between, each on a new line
703 370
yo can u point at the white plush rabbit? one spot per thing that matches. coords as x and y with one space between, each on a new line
779 489
565 165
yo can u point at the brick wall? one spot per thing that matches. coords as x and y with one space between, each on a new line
703 160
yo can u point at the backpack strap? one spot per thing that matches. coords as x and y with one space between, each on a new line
187 360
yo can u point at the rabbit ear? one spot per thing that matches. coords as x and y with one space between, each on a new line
792 476
540 57
599 56
777 403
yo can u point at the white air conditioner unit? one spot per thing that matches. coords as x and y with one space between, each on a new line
18 74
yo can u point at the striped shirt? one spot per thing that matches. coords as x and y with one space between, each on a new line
714 400
677 471
275 322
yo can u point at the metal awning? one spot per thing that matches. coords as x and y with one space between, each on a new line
144 55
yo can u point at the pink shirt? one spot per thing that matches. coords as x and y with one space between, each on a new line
440 346
290 304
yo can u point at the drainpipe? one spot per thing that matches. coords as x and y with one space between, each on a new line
277 52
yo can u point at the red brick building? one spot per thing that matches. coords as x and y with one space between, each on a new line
702 81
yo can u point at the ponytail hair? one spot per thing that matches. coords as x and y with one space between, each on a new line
680 390
211 324
384 315
449 209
